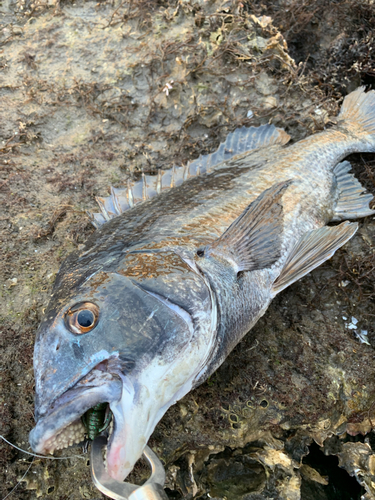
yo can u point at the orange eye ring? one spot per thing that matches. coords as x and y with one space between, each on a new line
82 317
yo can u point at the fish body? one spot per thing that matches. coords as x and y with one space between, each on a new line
162 292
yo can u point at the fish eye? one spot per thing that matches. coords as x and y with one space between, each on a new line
82 317
85 318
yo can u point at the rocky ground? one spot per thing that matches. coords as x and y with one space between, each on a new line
94 93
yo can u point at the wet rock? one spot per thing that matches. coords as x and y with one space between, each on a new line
84 105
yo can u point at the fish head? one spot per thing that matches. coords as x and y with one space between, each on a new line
135 342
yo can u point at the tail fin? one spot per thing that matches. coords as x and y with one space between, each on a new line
358 114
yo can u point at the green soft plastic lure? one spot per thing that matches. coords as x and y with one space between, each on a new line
97 419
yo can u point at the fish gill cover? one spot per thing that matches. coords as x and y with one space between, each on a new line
95 93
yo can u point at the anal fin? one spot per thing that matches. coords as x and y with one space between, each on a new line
314 248
353 202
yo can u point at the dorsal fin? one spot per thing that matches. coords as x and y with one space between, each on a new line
238 142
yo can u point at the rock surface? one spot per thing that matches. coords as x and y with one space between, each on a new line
92 93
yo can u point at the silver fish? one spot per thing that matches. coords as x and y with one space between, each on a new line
181 266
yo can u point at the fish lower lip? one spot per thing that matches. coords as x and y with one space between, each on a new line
61 426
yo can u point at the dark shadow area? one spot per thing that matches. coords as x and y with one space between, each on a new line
340 486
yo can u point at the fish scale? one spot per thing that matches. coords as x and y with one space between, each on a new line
181 267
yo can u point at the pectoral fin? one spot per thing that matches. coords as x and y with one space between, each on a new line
313 249
253 240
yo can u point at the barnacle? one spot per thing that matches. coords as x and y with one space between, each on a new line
233 418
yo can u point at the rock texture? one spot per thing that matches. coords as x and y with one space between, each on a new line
94 93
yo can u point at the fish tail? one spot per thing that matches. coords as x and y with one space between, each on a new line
357 115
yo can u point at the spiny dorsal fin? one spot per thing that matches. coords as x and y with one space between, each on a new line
314 248
238 142
353 202
253 240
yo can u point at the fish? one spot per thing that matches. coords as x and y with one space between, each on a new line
181 266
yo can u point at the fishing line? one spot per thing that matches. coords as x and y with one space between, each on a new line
40 456
22 478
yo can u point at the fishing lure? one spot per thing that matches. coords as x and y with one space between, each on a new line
96 420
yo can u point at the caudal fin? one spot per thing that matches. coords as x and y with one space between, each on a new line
358 115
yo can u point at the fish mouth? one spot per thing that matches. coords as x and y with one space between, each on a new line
61 426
